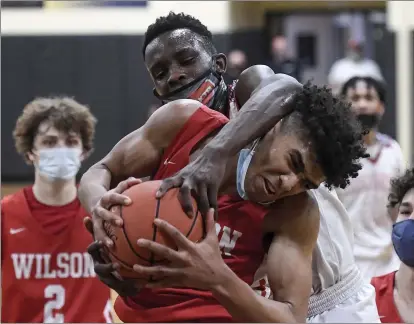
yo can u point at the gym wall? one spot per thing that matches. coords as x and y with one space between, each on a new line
94 55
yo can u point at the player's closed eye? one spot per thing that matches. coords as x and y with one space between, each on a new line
188 60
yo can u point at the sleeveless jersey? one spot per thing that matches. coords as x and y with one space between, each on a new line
365 199
384 291
239 231
333 257
48 278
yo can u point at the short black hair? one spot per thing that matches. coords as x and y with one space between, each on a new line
175 21
334 132
370 82
400 186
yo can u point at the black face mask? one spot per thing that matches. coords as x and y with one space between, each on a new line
202 89
369 121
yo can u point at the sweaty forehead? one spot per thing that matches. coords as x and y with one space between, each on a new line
171 42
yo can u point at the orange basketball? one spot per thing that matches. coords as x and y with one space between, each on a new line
138 220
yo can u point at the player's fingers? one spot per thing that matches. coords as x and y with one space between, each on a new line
113 198
210 225
108 216
173 233
212 192
185 199
168 184
124 185
157 271
115 209
94 250
162 251
104 270
202 199
87 221
100 233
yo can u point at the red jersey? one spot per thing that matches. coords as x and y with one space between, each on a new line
239 230
47 275
384 291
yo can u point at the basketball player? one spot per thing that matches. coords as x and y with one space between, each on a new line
295 145
365 198
395 290
47 276
183 62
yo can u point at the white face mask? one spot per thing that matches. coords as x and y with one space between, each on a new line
59 163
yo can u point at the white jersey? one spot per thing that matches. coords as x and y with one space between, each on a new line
339 292
365 200
337 282
333 256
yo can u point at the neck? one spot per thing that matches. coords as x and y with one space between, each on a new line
404 282
228 184
56 193
370 138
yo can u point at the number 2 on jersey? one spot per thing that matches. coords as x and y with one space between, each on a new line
50 312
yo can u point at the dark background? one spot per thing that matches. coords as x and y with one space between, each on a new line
107 73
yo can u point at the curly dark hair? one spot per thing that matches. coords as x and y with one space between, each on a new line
370 82
400 186
64 113
335 134
175 21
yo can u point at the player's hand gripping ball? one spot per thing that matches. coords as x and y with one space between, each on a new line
138 222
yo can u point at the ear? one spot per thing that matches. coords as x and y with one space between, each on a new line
30 157
220 63
381 108
85 154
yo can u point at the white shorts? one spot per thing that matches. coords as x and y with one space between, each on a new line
360 308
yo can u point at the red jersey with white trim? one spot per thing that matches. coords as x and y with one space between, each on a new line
47 275
384 297
239 230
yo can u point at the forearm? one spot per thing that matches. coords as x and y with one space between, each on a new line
266 107
245 305
93 185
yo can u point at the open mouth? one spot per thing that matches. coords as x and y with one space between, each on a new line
269 188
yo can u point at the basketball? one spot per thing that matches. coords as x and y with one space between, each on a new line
138 220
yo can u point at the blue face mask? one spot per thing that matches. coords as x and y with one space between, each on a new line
403 240
245 158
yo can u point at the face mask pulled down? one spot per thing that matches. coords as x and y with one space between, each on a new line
243 163
403 241
204 89
59 163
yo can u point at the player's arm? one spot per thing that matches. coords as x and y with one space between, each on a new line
266 98
289 269
272 98
136 155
